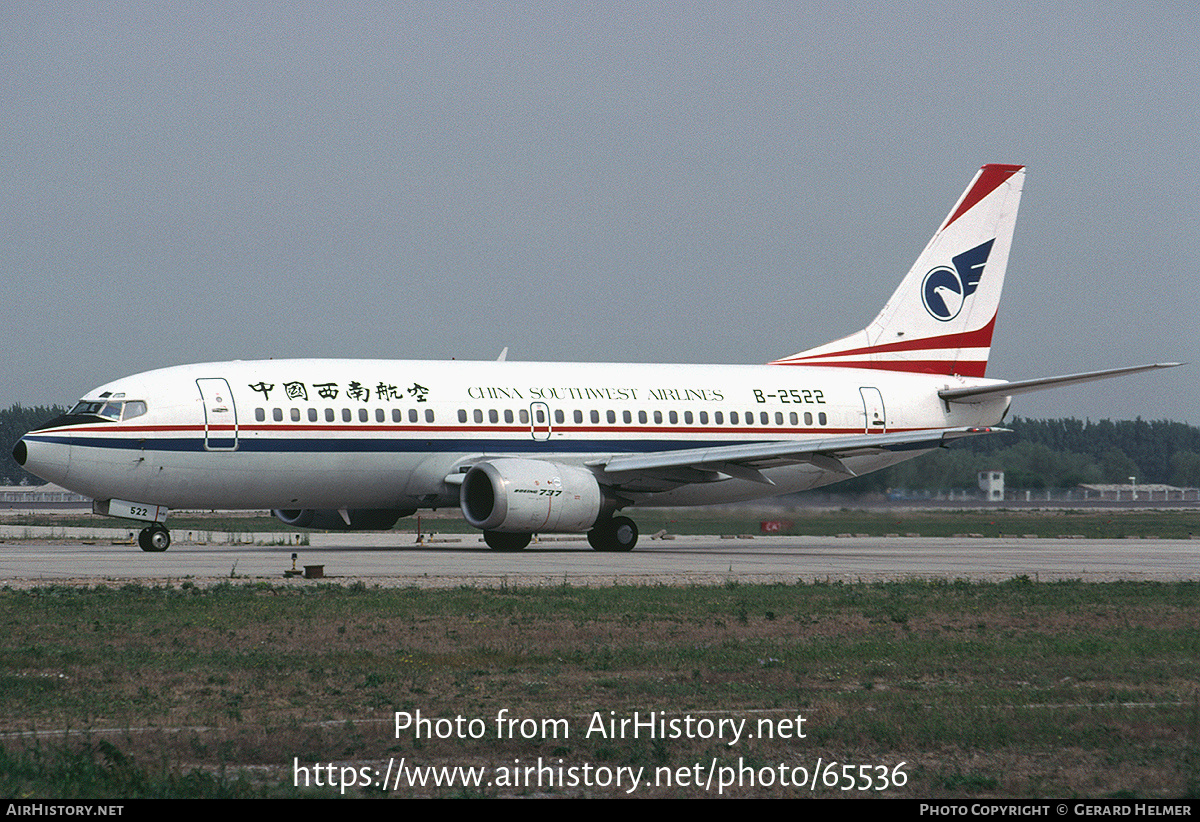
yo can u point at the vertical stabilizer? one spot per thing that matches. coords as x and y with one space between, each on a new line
940 319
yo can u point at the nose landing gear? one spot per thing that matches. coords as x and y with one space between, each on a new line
154 538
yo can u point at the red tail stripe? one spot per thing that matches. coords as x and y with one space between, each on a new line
991 177
979 338
963 368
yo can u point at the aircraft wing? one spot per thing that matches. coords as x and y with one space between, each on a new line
665 469
986 392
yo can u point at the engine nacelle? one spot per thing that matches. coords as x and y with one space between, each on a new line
530 496
361 519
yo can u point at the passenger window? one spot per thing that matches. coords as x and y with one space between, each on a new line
493 415
578 416
642 418
508 415
658 418
821 418
793 418
595 417
779 418
277 414
362 415
808 418
611 416
764 418
673 416
428 415
627 416
379 415
523 416
733 418
329 415
719 417
687 417
559 417
478 415
295 415
413 416
462 415
260 414
397 416
312 415
704 418
347 416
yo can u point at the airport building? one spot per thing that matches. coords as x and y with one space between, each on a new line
39 496
992 485
1140 492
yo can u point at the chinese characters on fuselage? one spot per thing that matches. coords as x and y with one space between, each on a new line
354 390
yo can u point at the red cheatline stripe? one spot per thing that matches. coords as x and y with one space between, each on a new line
991 177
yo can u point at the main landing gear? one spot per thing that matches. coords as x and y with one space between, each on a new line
616 534
154 538
504 541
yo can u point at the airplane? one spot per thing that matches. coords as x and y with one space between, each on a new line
527 448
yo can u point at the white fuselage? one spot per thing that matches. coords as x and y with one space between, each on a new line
528 448
337 434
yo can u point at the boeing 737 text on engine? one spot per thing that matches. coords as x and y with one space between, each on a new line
527 448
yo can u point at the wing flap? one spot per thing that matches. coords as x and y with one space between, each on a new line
747 461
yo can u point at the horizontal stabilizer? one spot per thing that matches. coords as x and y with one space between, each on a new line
983 393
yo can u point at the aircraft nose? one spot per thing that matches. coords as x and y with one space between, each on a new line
45 458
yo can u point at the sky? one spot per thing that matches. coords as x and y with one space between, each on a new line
629 182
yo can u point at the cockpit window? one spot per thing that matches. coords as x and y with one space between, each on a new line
110 410
84 407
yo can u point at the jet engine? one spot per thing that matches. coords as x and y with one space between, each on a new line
361 519
530 496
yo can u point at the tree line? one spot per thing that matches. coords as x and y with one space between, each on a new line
1057 453
14 423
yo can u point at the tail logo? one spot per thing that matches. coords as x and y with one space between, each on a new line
945 290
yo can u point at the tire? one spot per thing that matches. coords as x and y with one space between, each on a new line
154 539
625 534
503 541
597 538
618 534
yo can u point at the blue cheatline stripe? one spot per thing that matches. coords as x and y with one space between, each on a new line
383 446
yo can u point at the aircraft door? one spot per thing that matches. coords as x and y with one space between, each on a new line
539 421
874 416
220 415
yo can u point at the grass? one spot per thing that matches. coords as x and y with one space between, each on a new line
1015 689
98 769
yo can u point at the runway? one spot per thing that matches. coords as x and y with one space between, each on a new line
391 560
